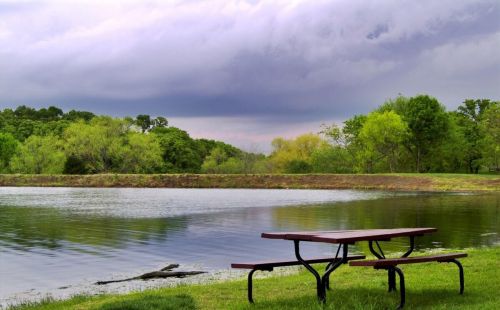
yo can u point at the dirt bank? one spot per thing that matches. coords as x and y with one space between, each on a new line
401 182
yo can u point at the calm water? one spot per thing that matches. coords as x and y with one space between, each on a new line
51 237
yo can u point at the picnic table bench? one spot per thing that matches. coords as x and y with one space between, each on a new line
390 265
270 265
344 238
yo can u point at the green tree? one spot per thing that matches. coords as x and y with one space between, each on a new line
288 155
50 114
160 122
25 112
144 122
141 154
213 162
39 155
331 159
47 128
298 166
219 161
398 105
98 144
74 116
428 125
490 124
449 155
179 151
382 135
469 116
8 147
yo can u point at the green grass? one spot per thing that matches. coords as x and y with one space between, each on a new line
429 286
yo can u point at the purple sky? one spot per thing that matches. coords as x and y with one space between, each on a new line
246 71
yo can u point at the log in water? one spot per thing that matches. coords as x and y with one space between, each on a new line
165 272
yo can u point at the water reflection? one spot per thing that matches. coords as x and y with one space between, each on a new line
24 228
462 220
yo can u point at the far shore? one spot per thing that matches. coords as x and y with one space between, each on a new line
396 182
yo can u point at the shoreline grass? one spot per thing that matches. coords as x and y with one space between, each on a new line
429 286
396 182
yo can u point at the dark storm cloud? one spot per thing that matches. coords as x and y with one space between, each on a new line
272 62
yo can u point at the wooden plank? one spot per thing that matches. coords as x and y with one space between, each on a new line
300 234
348 236
407 260
271 264
371 234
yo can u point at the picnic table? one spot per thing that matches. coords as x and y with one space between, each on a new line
344 238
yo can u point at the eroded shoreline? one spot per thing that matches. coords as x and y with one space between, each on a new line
396 182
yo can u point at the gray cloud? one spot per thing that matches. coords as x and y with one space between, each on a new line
270 62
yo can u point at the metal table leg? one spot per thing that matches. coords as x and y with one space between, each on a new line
326 277
319 285
321 281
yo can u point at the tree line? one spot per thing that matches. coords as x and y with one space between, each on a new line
50 141
405 134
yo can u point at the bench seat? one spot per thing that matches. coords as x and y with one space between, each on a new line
407 260
390 265
270 265
266 265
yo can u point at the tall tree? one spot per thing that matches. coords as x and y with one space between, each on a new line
160 122
382 135
294 155
490 124
144 122
98 144
179 150
428 125
469 116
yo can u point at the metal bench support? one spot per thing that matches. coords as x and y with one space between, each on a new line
395 270
250 283
460 273
402 291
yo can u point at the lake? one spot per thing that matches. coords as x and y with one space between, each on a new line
53 237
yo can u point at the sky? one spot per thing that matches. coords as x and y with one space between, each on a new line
246 71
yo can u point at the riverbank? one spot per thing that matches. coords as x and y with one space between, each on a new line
399 182
429 286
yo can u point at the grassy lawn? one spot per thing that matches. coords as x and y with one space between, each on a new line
428 286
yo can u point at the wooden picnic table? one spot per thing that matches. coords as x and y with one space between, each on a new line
344 238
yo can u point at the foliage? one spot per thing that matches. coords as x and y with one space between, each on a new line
298 166
100 144
145 122
96 144
294 156
8 147
141 154
39 155
382 135
178 150
402 135
331 159
219 162
428 124
468 117
490 126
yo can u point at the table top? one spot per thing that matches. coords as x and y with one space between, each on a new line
348 236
